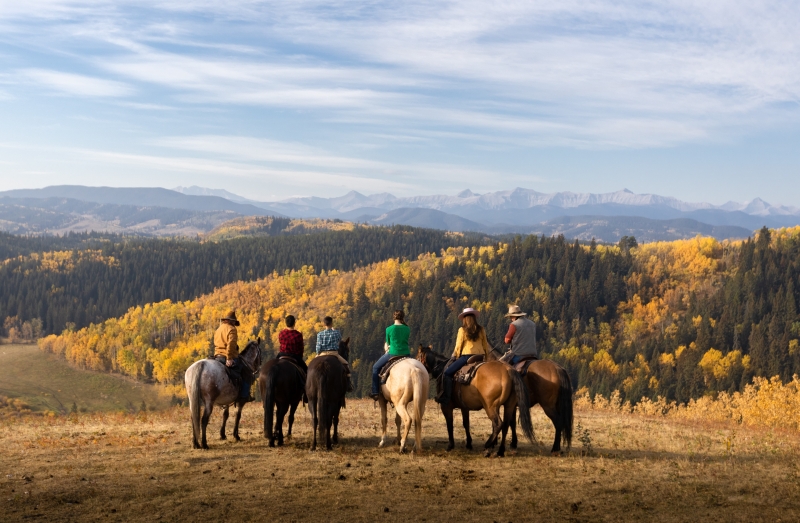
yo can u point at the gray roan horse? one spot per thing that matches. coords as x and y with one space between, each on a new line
325 389
207 384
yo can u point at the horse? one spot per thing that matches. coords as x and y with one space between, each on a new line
407 382
549 385
325 390
495 384
207 384
281 384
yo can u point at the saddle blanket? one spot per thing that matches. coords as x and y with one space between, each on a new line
384 373
466 373
522 365
296 366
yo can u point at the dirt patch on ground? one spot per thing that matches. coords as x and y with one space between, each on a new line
114 467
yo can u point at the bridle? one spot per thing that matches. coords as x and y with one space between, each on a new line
256 360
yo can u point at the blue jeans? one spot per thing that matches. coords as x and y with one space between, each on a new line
456 366
376 369
515 360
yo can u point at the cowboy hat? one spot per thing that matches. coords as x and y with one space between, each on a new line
467 312
514 310
231 317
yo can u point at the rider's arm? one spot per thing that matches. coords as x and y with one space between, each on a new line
232 346
319 346
485 342
510 334
459 343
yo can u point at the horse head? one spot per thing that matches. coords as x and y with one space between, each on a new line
251 355
428 358
344 348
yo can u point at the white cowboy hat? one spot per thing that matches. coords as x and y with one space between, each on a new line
514 310
467 312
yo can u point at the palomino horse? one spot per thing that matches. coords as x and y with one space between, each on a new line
407 382
494 385
325 389
549 385
281 384
207 384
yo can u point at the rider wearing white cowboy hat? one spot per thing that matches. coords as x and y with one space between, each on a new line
521 335
471 340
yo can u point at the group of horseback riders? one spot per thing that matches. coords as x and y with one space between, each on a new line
471 341
226 350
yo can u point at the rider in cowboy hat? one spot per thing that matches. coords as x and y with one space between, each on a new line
226 351
521 335
471 340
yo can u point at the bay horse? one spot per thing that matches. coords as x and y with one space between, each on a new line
549 385
408 381
281 384
325 390
495 384
207 384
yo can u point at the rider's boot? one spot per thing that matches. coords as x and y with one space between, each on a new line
244 393
443 398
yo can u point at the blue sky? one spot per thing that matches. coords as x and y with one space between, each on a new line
279 99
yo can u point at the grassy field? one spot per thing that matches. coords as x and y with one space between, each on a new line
47 383
115 467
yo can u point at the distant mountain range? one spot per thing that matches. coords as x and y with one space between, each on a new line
605 217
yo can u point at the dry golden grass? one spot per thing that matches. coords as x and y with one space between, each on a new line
114 467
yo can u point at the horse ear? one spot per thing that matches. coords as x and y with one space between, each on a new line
347 340
259 340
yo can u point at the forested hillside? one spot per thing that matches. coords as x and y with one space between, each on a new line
72 287
672 319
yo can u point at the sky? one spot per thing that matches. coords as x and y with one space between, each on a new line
269 100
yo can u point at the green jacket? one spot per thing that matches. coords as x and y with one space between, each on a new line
397 338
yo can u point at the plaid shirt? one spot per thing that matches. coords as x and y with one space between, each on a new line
328 340
291 341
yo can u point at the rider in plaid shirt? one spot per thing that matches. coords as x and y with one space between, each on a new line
328 342
291 342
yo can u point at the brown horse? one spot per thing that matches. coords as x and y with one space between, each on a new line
549 385
281 384
325 388
494 385
207 384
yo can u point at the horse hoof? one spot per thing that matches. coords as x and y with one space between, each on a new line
223 437
488 453
272 444
555 453
469 446
381 444
449 448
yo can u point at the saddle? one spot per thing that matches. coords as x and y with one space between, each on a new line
296 366
467 372
234 372
386 369
522 365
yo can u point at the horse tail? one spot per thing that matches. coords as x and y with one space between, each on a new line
524 404
565 407
323 405
268 394
195 397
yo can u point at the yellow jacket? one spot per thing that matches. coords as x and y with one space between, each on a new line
226 341
465 347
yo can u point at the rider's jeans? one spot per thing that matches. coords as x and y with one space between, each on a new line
376 369
456 366
515 360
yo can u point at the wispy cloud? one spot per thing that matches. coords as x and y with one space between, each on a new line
76 84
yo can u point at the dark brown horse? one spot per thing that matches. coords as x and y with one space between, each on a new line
549 385
325 388
281 384
207 384
495 384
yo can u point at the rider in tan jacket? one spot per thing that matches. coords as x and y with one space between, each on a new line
226 351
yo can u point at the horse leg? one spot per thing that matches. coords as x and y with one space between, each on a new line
335 439
382 403
448 418
552 413
236 422
397 422
465 422
512 422
402 412
207 408
312 406
509 413
282 408
225 415
292 409
493 412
